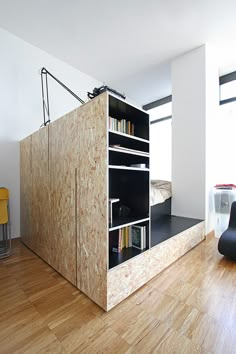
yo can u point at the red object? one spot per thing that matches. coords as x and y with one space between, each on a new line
225 185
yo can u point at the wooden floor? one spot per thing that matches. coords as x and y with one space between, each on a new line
189 308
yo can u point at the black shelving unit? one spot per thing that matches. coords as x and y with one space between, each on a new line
127 183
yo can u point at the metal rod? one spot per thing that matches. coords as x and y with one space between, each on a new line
228 100
45 72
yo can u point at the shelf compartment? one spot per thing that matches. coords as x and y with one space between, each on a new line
119 222
126 253
123 256
132 189
129 142
122 110
118 158
128 152
128 136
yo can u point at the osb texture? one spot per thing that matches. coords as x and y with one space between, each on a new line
26 190
41 196
128 277
64 157
92 206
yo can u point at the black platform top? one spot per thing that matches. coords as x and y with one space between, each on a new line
169 226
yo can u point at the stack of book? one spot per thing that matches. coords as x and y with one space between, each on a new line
130 236
121 125
123 240
138 235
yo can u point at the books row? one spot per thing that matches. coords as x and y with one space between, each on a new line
121 125
130 236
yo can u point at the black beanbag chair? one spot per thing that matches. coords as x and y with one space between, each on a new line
227 241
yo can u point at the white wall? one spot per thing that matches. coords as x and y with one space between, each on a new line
21 106
195 95
188 132
223 138
212 142
10 178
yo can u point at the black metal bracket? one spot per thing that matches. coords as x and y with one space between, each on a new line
98 90
45 96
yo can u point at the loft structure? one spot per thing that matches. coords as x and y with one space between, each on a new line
71 171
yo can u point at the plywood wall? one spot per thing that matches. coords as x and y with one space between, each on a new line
92 202
41 195
26 190
64 164
64 189
129 276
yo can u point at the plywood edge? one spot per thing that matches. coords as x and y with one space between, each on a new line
123 280
92 201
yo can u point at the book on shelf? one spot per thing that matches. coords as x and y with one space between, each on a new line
121 125
138 236
117 242
121 239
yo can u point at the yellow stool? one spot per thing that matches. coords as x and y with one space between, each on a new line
5 235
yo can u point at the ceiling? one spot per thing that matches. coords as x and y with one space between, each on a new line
127 44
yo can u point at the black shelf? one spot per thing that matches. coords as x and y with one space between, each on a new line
119 222
126 254
126 138
128 141
122 110
168 226
128 184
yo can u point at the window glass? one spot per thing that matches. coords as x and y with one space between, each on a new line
228 90
161 142
164 110
223 140
161 150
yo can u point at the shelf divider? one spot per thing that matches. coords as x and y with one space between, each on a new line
118 224
117 167
129 136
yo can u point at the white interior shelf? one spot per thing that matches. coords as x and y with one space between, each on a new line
129 136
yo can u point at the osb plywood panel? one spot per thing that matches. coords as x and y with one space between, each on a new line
128 277
26 190
92 206
41 196
64 164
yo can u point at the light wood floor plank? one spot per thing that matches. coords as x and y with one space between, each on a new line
188 308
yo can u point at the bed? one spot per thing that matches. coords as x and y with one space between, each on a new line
160 198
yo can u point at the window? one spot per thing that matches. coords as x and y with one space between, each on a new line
160 138
224 143
228 88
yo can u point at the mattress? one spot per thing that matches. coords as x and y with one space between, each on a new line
160 191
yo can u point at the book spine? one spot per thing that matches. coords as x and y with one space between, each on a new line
120 241
145 237
142 238
123 126
130 236
126 237
132 128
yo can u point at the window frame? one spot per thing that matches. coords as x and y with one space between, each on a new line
224 79
156 104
